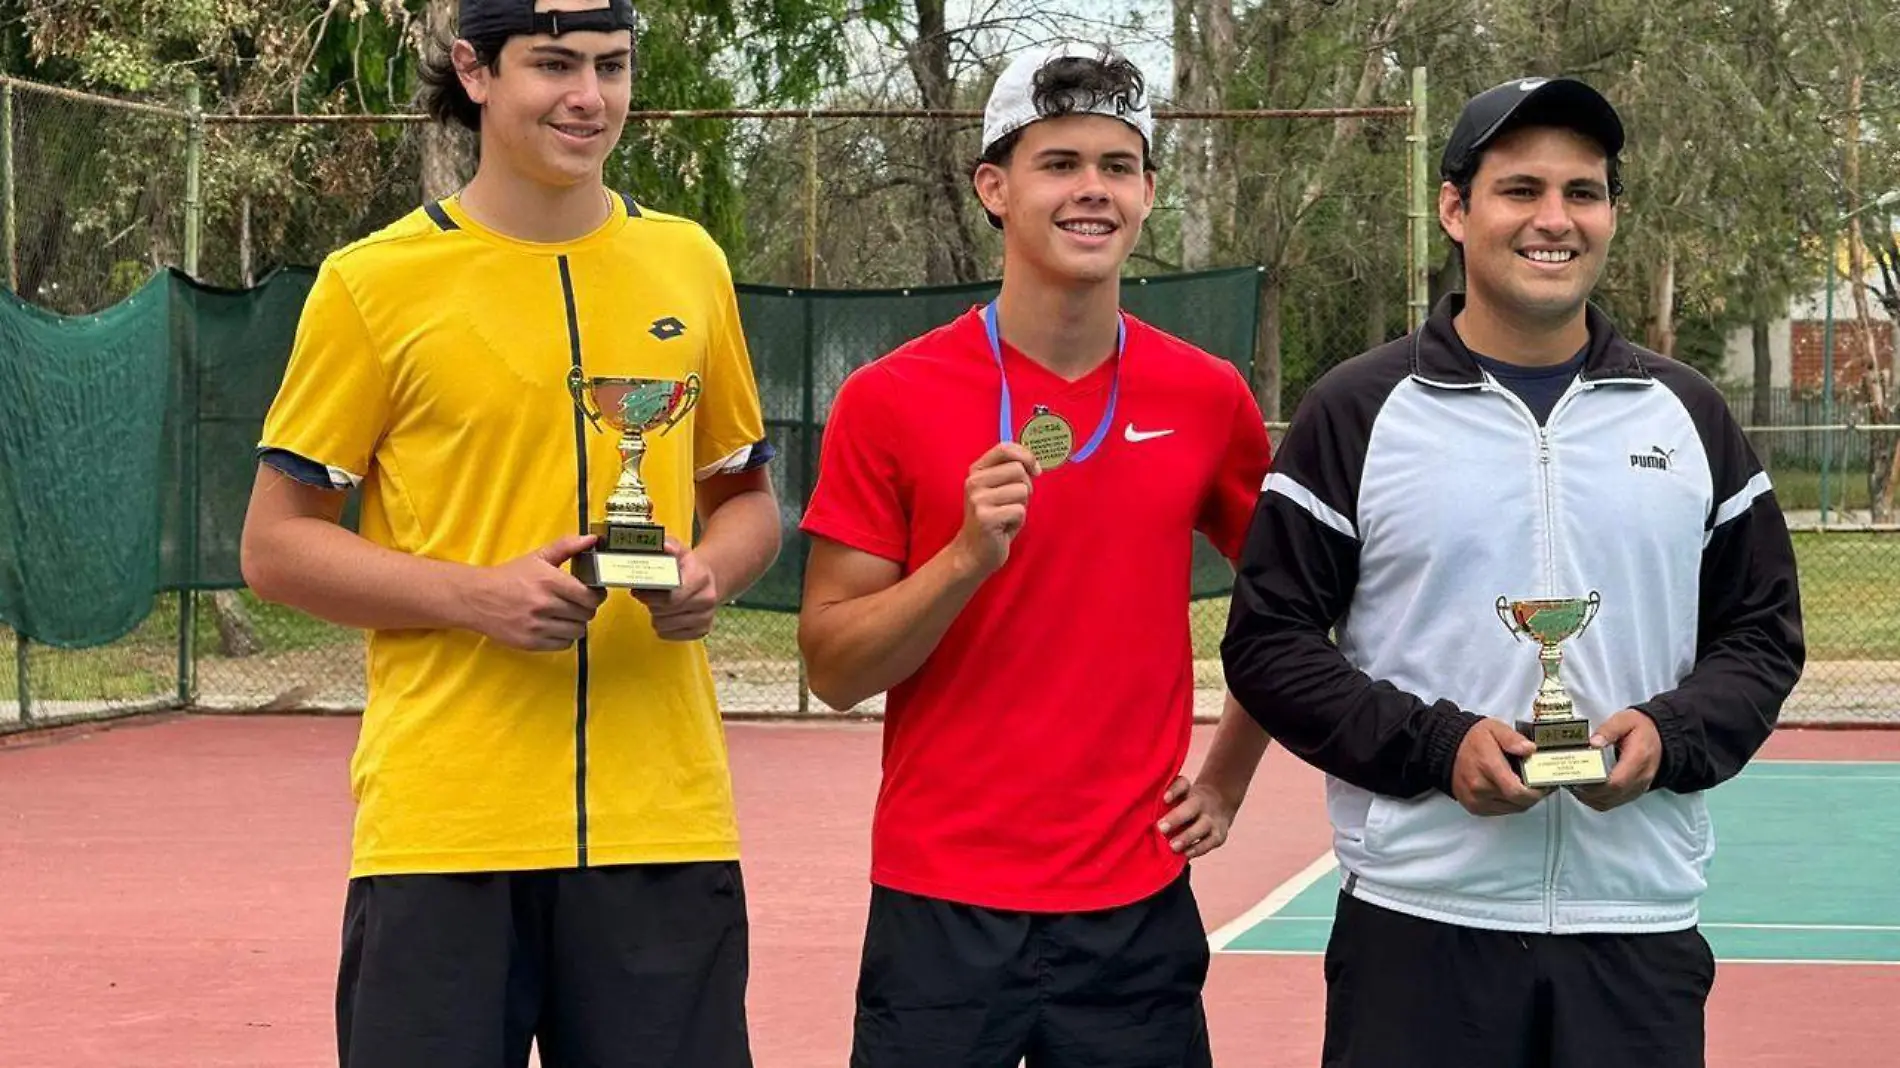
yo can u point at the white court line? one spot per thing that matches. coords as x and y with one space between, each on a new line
1725 961
1811 763
1274 901
1882 927
1816 963
1876 928
1282 895
1842 779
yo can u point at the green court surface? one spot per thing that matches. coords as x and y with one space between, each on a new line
1806 869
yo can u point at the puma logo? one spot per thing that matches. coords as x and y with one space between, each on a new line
1656 459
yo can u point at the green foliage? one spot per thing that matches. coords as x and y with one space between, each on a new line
698 55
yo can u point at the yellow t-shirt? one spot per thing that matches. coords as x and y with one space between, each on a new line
431 365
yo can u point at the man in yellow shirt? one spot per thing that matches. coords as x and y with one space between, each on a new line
545 848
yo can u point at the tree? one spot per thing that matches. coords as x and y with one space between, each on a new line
1204 56
1305 188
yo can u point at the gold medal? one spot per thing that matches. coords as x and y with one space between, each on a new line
1048 438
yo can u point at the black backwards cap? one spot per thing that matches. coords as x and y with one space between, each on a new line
479 19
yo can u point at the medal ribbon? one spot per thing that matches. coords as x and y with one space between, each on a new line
1005 419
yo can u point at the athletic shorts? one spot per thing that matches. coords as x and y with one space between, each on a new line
640 966
1403 992
947 985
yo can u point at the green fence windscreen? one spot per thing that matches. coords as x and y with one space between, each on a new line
126 437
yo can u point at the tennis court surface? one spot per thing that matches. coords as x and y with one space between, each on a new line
170 891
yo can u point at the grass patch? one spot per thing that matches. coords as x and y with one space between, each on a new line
1850 599
1850 595
144 664
1850 587
1801 490
752 634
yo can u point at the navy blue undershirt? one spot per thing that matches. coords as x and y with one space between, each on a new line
1538 387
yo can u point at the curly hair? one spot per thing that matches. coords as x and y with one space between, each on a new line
1074 84
442 96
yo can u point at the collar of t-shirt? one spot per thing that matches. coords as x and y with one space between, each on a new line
1538 387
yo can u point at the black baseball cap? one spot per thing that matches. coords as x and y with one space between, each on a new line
513 18
1564 102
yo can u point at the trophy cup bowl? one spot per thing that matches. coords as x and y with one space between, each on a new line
631 552
1564 755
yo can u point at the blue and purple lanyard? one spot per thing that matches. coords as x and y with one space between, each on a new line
1005 417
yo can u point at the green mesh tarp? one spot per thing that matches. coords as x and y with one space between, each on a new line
126 437
87 414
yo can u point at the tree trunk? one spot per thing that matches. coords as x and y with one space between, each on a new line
1662 306
1761 405
1378 307
444 151
1761 409
950 256
1203 54
245 277
1371 72
1880 466
1882 476
1266 371
237 636
1883 448
1448 278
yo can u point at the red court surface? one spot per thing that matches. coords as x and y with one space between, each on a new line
170 892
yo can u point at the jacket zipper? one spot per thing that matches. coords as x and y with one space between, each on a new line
1555 819
1554 836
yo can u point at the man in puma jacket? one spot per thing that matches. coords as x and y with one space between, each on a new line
1502 450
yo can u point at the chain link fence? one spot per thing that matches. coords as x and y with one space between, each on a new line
836 199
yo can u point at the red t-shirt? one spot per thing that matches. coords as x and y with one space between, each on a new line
1024 762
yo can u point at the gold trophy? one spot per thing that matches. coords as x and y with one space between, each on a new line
631 552
1564 756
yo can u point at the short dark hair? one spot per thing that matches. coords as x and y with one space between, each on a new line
1071 84
442 96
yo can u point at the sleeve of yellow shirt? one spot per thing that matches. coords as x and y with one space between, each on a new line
729 432
333 405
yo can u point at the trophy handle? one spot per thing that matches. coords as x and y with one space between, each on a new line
1510 624
577 389
1590 612
688 398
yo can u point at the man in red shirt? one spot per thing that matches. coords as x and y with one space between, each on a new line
1028 614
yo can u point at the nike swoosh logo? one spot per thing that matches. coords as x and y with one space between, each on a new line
1129 433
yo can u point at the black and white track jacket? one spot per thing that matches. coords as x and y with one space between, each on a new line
1411 492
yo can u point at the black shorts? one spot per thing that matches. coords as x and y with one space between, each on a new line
945 985
1402 992
642 965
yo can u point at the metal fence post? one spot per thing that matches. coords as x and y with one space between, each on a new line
809 401
188 421
12 226
1418 244
19 677
12 242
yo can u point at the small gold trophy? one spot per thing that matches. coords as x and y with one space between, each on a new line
631 552
1564 756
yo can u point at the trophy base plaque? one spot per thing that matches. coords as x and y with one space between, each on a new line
629 556
1564 756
